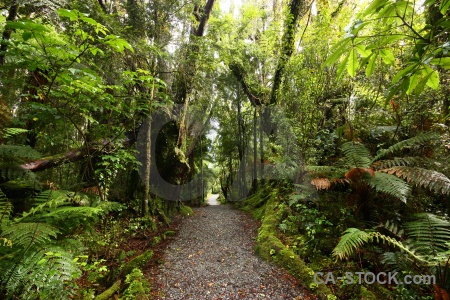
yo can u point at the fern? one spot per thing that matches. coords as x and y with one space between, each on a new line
430 233
420 138
354 238
25 235
401 161
428 241
10 132
433 180
5 208
389 184
357 155
11 157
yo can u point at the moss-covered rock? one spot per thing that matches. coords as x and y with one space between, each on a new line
137 262
110 292
270 247
186 211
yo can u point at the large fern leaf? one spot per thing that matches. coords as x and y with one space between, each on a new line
357 155
5 208
402 161
430 233
25 235
389 184
352 240
420 138
433 180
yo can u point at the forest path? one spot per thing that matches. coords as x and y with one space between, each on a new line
212 200
212 257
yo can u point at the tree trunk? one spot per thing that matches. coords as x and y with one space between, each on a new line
147 127
255 154
12 14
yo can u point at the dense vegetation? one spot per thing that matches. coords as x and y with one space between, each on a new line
324 119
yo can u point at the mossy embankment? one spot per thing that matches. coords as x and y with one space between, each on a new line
266 205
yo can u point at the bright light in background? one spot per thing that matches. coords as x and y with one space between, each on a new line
227 5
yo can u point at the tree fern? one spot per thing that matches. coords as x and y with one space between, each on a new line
357 155
433 180
389 184
430 233
402 161
420 138
354 238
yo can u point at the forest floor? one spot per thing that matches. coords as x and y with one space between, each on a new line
212 257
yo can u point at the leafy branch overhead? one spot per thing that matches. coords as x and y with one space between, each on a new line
379 33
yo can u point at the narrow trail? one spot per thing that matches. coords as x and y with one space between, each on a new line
213 258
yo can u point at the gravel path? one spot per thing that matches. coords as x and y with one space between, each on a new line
212 258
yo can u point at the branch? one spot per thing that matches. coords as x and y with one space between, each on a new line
238 72
204 17
295 9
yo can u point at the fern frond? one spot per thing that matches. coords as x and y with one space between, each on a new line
430 233
43 274
401 161
389 184
23 235
14 131
420 138
20 153
357 155
432 180
5 208
352 240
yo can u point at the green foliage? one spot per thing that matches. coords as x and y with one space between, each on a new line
357 155
137 286
418 139
389 184
427 244
33 263
375 35
433 180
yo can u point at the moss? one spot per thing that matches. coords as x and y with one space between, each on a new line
168 233
271 248
137 286
109 292
137 262
366 294
186 211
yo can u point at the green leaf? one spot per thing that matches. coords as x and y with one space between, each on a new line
373 7
337 51
363 51
413 80
371 64
444 62
71 14
352 65
387 56
342 66
433 80
443 7
403 72
421 85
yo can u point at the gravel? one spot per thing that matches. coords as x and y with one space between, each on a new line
213 258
